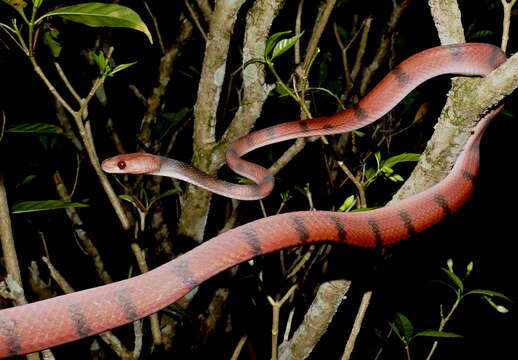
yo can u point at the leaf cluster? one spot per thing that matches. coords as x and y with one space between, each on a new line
405 329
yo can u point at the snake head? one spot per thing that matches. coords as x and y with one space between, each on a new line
134 163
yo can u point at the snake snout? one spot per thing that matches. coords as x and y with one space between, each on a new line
134 163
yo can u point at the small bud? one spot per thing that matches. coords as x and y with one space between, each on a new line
469 268
501 309
449 262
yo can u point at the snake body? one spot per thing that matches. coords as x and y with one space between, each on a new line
70 317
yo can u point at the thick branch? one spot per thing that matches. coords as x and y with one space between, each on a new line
468 99
213 77
209 153
255 90
321 312
447 18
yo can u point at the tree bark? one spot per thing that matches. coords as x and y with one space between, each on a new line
208 152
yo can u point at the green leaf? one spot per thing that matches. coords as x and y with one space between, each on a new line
369 174
127 198
488 293
285 196
43 205
174 118
396 178
454 278
403 327
28 179
347 204
284 45
435 333
164 194
100 60
507 113
97 14
387 171
404 157
377 156
272 40
50 40
133 201
447 284
242 180
280 90
121 67
36 128
363 209
48 143
470 29
481 34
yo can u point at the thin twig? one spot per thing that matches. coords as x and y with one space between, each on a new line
239 347
100 94
6 236
298 22
155 25
105 183
57 277
3 125
276 308
359 185
205 9
14 279
288 155
84 236
196 19
508 6
67 83
51 87
383 46
63 119
343 49
355 331
154 101
87 139
366 25
320 24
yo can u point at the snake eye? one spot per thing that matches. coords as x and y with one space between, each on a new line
121 164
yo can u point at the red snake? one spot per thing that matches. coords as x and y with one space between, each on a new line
70 317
